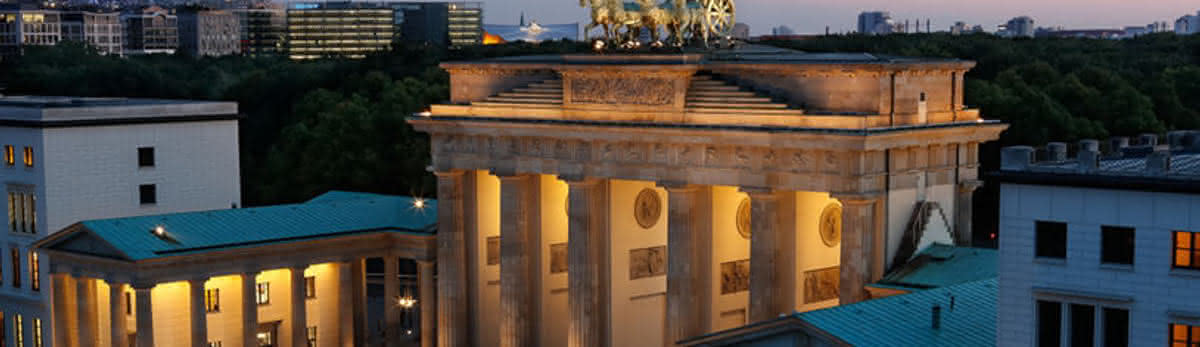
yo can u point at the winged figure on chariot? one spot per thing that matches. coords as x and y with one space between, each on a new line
684 21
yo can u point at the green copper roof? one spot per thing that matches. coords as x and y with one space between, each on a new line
907 319
942 265
331 214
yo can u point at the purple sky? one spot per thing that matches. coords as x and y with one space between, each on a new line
811 16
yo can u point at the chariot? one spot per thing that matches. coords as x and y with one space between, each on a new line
686 20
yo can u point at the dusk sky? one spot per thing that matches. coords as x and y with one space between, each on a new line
811 16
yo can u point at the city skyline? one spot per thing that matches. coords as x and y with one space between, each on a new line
811 16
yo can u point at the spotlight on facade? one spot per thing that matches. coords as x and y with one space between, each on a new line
159 231
425 114
598 45
406 302
419 203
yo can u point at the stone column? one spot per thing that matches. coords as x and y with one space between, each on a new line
772 249
427 301
454 326
199 313
85 308
299 311
145 315
345 308
689 261
61 305
587 267
249 309
359 279
391 291
116 317
518 245
862 246
963 210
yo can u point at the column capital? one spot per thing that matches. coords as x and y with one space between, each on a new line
968 186
580 180
448 173
678 187
198 280
298 267
507 175
759 192
848 199
143 286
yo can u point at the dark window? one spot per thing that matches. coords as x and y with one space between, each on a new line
1083 325
310 287
1116 327
1116 245
145 156
1184 335
128 304
1049 321
1187 250
148 194
1051 239
16 268
922 96
212 300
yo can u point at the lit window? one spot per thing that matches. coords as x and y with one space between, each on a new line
18 331
263 296
312 336
214 343
35 281
28 156
212 300
310 287
1183 335
13 210
10 157
1187 250
37 332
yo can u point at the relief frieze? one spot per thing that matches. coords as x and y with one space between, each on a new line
623 91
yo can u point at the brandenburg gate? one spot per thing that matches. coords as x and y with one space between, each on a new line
635 200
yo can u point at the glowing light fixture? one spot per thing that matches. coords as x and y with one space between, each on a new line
406 302
425 114
419 203
159 231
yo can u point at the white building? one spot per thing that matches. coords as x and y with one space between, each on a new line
25 26
98 29
875 23
70 159
1018 27
1188 24
1100 249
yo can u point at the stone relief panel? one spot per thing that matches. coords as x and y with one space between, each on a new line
735 276
647 262
493 250
558 258
820 285
622 91
647 208
743 218
830 225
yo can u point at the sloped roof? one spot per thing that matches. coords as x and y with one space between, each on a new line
942 265
331 214
971 321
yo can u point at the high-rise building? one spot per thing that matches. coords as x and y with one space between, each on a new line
1018 27
1188 24
346 29
22 25
962 28
150 30
209 33
741 31
101 30
875 23
262 30
440 23
65 160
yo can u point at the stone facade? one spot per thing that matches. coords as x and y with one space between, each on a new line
875 137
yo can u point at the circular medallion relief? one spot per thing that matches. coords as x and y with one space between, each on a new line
831 225
743 218
647 208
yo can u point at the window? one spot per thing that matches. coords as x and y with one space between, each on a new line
35 279
37 332
1051 239
1187 250
1184 335
10 158
310 287
1116 327
145 156
212 300
1049 323
148 194
1083 325
18 331
22 212
263 296
1116 245
312 336
214 343
16 270
28 157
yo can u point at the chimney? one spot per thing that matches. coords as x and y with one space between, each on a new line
1056 151
1016 158
1158 163
1089 145
1089 159
1191 142
937 317
1175 138
1117 145
1148 140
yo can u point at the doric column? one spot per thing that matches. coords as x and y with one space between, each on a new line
587 257
359 279
62 321
299 311
391 291
964 205
345 308
85 311
454 327
249 309
862 246
116 319
772 250
199 313
145 315
427 301
518 243
689 258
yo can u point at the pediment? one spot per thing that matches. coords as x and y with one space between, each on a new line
84 242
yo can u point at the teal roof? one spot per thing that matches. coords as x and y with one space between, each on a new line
942 265
907 319
332 214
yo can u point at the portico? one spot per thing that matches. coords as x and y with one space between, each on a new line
626 199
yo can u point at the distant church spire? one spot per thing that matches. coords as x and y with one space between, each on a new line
522 18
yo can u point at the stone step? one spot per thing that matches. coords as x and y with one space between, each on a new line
737 99
702 78
509 104
539 91
497 99
733 94
531 95
736 105
778 112
720 88
544 86
709 83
